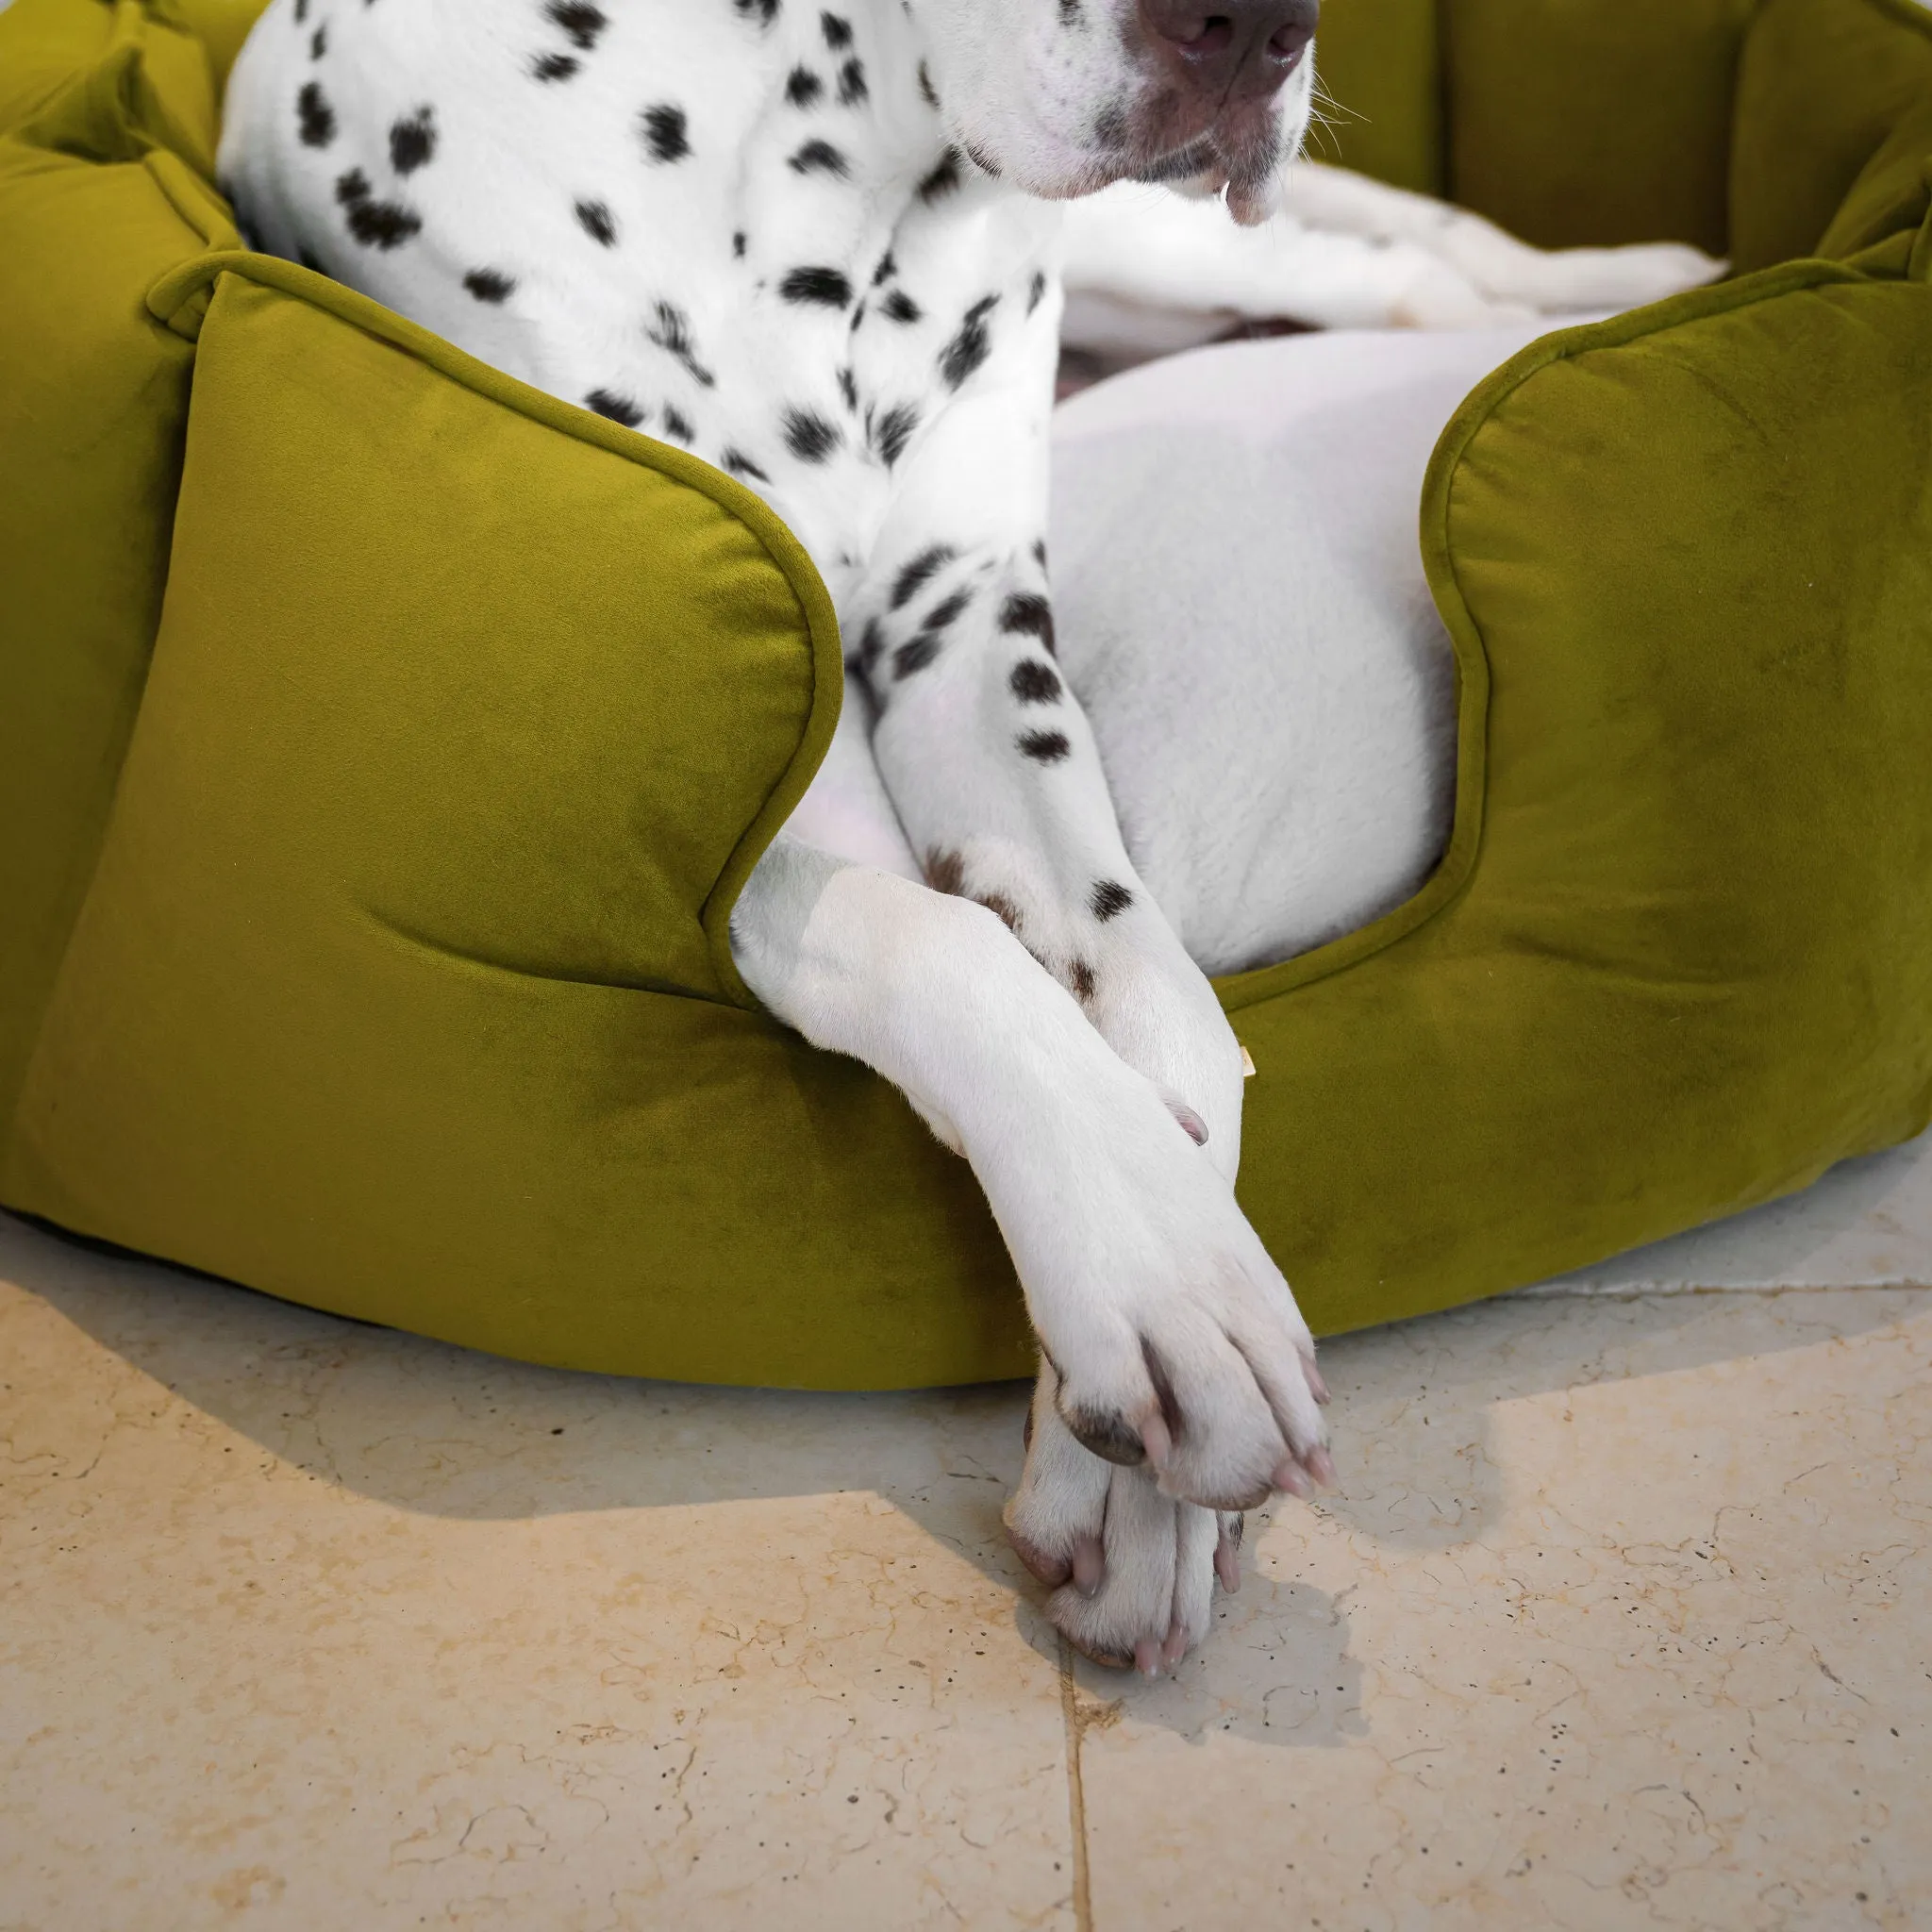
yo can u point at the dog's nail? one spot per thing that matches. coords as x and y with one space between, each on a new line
1147 1658
1227 1566
1191 1123
1321 1465
1174 1648
1090 1564
1291 1477
1155 1440
1317 1388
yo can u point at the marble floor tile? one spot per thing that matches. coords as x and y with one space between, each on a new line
1619 1618
312 1626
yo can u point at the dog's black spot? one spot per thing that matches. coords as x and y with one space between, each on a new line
810 436
837 30
413 142
1027 614
900 306
1081 976
1040 550
1034 683
825 286
927 93
803 87
671 332
619 409
916 574
1108 898
1046 747
315 119
1001 908
666 131
678 424
820 157
971 346
318 42
1106 1432
848 386
888 267
1035 290
852 87
915 656
893 431
764 12
553 66
1112 125
857 316
382 225
945 871
741 465
738 245
301 11
943 179
581 22
871 644
490 285
1070 13
947 610
593 218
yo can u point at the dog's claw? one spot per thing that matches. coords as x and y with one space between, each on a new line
1147 1654
1155 1440
1293 1479
1227 1565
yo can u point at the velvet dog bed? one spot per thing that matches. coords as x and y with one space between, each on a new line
383 743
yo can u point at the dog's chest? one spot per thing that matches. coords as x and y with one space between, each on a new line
745 234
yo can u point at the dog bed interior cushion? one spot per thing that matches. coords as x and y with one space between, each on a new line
382 745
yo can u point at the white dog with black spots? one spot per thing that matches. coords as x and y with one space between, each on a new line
821 248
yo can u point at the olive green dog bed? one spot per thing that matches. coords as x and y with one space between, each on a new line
382 744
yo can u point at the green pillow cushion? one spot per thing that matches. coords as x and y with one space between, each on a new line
367 944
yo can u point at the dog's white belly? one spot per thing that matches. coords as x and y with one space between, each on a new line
1243 615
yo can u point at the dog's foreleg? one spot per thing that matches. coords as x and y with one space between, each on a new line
993 771
1176 1340
1500 268
1140 259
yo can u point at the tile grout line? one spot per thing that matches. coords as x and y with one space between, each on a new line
1076 1793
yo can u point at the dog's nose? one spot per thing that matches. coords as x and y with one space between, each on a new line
1230 49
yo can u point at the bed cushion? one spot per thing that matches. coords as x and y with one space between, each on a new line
369 948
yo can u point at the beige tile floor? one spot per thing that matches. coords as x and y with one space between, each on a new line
1619 1619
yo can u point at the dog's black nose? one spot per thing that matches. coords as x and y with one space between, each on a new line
1230 49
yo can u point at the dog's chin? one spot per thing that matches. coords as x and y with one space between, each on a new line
1240 157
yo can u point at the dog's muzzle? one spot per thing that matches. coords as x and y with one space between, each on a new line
1231 51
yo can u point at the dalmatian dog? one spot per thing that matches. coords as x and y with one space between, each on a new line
820 246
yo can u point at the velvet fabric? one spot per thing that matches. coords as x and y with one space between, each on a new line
383 743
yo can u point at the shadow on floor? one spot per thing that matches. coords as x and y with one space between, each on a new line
427 1428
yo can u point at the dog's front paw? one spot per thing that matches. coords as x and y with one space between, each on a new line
1173 1338
1132 1571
